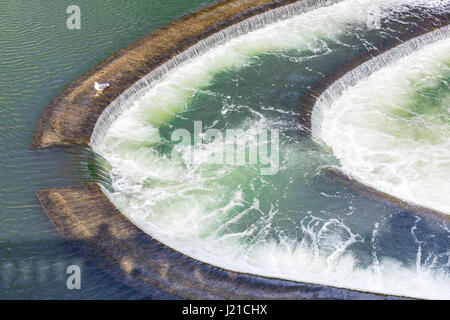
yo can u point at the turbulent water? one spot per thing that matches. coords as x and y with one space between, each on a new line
392 130
293 221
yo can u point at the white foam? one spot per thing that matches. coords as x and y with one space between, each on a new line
382 142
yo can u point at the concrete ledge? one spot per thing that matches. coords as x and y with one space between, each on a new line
70 118
86 218
308 101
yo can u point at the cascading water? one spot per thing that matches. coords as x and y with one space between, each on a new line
129 97
391 130
296 224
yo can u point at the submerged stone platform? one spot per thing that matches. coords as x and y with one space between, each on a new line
85 217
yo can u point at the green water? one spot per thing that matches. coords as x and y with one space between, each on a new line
425 111
39 57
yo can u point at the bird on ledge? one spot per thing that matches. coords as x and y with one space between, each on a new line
100 87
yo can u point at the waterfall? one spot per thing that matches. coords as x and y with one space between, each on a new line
363 71
127 98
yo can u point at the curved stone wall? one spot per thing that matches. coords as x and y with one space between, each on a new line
85 217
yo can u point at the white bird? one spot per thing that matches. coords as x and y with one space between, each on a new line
100 87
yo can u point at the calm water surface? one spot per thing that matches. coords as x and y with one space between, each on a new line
39 57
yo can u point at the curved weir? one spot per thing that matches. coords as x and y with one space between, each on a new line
63 124
407 109
226 216
129 97
281 226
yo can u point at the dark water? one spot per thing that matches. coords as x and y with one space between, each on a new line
39 57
